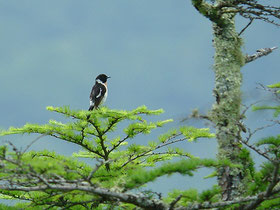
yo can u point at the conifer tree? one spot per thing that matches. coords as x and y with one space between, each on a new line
50 180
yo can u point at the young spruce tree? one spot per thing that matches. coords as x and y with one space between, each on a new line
48 180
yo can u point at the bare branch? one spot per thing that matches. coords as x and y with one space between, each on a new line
247 107
260 53
274 91
208 205
257 150
251 9
251 133
251 21
173 203
29 145
254 148
97 166
136 199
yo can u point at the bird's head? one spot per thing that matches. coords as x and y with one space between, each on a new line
102 78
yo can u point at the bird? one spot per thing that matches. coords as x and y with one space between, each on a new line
99 92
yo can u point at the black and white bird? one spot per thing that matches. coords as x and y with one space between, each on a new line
99 92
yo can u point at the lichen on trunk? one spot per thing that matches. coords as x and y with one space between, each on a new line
225 112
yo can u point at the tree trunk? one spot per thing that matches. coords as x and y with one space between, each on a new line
226 111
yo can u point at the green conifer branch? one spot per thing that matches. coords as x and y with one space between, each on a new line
185 167
171 137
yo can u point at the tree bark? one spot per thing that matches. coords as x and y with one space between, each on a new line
226 111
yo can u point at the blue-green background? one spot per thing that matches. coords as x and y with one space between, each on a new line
158 53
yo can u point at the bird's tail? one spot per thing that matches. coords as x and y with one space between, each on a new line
90 109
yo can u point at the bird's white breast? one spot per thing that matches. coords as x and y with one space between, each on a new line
105 95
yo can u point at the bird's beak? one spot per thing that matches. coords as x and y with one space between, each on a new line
108 77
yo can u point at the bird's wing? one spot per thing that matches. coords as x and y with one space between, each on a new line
96 95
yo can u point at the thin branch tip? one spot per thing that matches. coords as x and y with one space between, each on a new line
259 53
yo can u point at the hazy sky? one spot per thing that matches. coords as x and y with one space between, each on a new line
158 53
